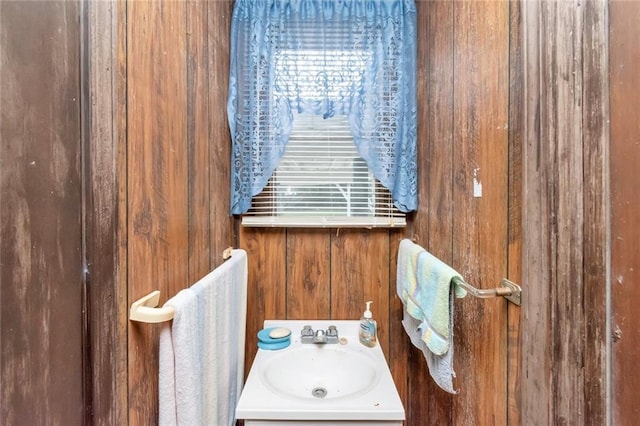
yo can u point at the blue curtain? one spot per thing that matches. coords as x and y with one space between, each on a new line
350 57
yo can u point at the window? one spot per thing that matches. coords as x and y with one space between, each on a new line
322 112
322 181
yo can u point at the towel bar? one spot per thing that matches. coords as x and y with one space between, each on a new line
145 309
508 289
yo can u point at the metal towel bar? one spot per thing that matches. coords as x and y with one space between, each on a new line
145 309
508 289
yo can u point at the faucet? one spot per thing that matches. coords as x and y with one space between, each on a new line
319 337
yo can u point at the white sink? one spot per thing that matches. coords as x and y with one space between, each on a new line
321 371
328 382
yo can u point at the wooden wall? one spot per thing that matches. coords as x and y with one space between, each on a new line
41 257
466 132
168 177
114 182
489 112
565 215
177 220
104 145
624 61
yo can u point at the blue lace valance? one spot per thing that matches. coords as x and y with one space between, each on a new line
350 57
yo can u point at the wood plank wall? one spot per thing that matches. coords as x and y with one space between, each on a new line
624 63
465 133
103 79
565 187
515 205
41 303
151 78
177 165
465 96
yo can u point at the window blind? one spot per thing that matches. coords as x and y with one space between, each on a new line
322 181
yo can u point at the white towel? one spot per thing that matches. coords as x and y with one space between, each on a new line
202 351
179 381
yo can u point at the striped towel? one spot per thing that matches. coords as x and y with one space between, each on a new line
202 350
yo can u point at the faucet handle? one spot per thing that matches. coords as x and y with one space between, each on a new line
306 331
332 331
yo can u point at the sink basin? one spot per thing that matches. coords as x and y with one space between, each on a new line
320 371
343 383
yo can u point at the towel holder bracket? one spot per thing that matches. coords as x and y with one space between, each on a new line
515 294
144 309
508 289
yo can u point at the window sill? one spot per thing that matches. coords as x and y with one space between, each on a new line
323 222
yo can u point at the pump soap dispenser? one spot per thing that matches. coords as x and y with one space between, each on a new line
368 328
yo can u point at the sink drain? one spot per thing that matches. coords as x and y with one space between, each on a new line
319 392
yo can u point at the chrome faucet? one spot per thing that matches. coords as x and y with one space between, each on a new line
319 337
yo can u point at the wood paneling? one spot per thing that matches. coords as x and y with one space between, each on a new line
595 69
433 222
267 291
176 207
177 165
514 265
199 150
157 161
175 215
479 162
624 63
310 298
465 95
41 338
104 137
359 273
152 83
398 340
315 274
564 221
221 222
536 364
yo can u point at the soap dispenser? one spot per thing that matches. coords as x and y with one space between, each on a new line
368 328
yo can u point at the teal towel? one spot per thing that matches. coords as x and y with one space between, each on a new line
423 285
425 288
407 279
431 295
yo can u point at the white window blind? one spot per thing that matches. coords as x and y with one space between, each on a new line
322 182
